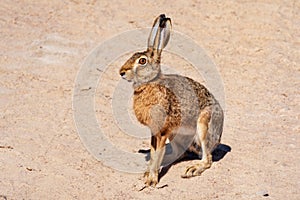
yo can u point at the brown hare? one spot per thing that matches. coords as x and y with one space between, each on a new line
172 105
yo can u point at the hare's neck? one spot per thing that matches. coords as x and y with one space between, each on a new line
156 78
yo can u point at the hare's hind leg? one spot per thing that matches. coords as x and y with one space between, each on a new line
201 139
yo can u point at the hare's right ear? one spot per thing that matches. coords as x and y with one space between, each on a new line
160 33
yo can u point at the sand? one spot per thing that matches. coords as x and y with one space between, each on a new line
256 50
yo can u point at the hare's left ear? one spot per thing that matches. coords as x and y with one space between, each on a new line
160 33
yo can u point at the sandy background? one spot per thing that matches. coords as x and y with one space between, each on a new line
255 45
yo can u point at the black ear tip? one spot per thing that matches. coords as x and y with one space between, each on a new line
162 21
162 16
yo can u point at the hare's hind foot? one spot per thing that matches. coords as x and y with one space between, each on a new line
202 140
197 169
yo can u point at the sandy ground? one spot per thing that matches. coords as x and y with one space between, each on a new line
255 45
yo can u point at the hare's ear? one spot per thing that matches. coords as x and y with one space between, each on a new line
160 33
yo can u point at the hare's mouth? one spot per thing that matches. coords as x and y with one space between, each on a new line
125 78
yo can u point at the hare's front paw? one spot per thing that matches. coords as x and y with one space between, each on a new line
151 178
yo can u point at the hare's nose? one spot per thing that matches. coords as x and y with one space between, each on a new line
122 73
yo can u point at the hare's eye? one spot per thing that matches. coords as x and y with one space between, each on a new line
142 61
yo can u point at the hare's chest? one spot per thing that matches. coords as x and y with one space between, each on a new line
148 98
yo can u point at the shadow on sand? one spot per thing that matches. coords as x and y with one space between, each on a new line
218 154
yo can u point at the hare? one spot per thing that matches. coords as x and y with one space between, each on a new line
171 105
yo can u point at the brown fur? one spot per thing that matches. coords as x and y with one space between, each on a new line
147 96
166 103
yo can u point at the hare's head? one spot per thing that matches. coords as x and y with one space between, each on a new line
144 66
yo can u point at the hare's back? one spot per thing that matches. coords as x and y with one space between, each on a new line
191 95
